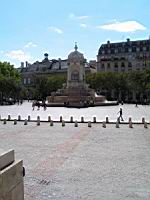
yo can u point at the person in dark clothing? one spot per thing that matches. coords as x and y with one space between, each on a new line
120 115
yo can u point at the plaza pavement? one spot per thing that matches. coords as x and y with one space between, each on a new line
81 163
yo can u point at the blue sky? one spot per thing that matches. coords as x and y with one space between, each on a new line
29 28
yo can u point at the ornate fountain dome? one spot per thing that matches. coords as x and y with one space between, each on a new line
75 56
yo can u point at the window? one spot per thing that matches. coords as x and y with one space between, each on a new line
129 66
103 67
112 51
108 66
25 81
130 50
133 49
122 65
109 51
116 67
116 50
119 50
29 81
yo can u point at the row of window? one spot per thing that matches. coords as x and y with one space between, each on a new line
124 50
116 65
128 43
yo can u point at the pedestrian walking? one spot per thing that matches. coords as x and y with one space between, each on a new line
136 104
38 105
120 115
45 106
33 105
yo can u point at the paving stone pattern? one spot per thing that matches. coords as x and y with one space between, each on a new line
72 163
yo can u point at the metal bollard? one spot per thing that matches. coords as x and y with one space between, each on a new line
19 118
5 121
61 119
76 124
117 124
29 118
82 119
107 120
15 121
25 122
49 118
89 124
71 119
145 125
51 123
94 119
9 118
104 124
130 124
63 123
143 120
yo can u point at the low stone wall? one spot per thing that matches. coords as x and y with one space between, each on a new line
11 177
100 99
57 99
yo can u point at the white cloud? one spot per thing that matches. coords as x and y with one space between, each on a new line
83 25
30 44
73 16
83 17
128 26
18 55
1 51
55 29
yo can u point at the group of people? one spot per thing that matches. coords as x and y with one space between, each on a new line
38 104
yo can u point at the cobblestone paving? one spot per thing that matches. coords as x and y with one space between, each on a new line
71 163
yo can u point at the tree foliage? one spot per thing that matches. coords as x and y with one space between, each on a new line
137 81
44 85
10 84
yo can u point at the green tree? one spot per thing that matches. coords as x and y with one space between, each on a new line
9 81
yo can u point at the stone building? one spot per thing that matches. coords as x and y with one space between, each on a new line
46 67
124 56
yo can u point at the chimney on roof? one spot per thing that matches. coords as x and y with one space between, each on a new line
26 63
128 40
59 60
108 42
22 64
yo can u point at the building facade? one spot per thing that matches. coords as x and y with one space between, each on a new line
46 67
124 56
